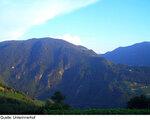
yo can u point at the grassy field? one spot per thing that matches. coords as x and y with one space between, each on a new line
15 102
99 112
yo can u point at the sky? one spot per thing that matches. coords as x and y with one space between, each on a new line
101 25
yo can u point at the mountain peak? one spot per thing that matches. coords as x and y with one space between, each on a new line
135 55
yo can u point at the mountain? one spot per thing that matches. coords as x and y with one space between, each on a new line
135 55
39 67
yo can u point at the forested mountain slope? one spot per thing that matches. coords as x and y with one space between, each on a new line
38 67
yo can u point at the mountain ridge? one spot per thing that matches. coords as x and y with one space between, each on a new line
135 55
39 67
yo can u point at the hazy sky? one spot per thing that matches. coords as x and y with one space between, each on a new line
101 25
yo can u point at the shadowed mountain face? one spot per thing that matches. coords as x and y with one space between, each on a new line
38 67
135 55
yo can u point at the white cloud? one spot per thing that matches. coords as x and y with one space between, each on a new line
71 38
17 16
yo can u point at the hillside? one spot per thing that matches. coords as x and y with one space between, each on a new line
135 55
15 102
39 67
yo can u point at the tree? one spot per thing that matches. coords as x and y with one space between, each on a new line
141 102
55 103
58 97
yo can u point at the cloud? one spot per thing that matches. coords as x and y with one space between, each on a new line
71 38
18 16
